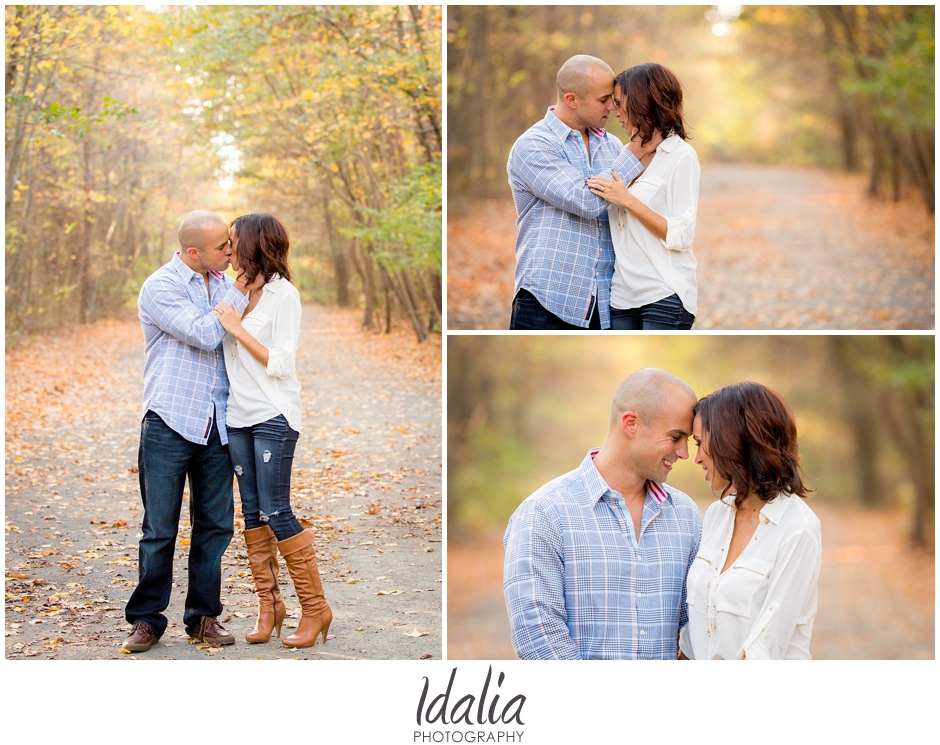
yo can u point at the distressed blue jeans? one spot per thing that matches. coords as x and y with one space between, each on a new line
165 460
262 456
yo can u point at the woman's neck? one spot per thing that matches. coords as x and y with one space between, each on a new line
751 504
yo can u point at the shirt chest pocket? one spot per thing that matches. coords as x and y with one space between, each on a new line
702 568
259 326
649 189
738 587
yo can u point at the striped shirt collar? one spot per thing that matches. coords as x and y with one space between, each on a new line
181 268
564 131
597 487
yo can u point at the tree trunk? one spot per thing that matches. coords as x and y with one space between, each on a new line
863 420
401 292
340 256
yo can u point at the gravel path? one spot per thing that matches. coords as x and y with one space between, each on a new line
367 480
778 248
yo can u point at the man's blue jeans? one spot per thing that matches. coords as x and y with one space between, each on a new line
165 459
667 314
262 456
528 314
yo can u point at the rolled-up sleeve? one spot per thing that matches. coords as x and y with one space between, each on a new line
784 624
285 333
533 583
683 204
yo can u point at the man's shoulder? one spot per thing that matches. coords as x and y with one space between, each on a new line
539 134
162 279
567 489
165 273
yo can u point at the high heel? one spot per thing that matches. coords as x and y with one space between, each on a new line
262 559
316 615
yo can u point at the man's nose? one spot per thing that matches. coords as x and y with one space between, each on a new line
683 450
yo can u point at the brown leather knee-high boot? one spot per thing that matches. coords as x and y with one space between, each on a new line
262 558
316 615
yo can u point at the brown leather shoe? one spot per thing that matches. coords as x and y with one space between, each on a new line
210 631
142 638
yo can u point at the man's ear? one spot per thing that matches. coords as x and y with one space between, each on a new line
571 100
628 423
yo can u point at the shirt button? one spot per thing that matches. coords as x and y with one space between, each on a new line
642 632
639 594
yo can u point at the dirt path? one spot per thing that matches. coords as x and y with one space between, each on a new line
876 598
778 248
367 480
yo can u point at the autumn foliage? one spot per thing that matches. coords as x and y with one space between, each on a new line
121 119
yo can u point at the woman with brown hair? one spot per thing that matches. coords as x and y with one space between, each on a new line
263 421
752 586
652 220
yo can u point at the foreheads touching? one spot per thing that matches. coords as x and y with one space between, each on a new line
650 96
749 432
582 73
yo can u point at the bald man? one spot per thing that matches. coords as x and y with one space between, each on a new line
564 252
183 435
596 560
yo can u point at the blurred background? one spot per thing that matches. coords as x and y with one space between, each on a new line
524 410
814 126
122 119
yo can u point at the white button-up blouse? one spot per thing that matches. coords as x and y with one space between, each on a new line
649 269
763 605
258 392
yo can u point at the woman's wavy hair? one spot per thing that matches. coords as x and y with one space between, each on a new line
652 97
750 435
263 242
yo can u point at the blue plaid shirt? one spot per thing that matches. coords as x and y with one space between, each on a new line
184 368
579 585
564 253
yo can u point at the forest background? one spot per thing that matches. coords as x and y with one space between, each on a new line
847 86
814 126
122 119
